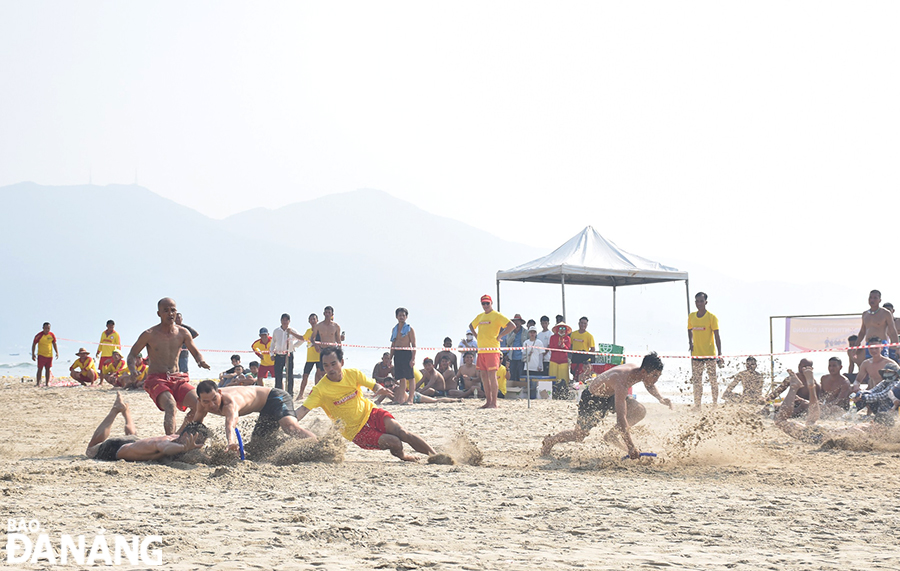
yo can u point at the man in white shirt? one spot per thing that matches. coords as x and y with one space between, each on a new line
534 358
544 336
282 349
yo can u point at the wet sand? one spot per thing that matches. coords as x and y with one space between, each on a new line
726 491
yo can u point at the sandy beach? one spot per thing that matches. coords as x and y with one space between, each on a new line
728 490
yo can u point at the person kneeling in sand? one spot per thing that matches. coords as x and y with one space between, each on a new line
83 369
131 448
275 408
608 392
809 432
339 394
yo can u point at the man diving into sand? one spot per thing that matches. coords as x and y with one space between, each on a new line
608 392
167 386
809 432
275 408
102 447
339 394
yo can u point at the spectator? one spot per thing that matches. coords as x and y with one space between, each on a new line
582 340
83 369
470 343
544 335
109 340
704 342
261 347
183 355
45 341
534 358
560 342
516 338
446 352
283 350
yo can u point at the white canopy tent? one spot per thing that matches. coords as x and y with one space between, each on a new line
590 259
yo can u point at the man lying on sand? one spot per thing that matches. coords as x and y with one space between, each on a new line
275 408
339 394
608 392
102 447
809 432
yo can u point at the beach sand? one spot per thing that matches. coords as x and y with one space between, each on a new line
725 493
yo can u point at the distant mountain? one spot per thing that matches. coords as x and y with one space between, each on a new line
78 255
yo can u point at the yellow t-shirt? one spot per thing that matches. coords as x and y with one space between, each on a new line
418 375
83 366
488 326
583 341
141 371
501 379
113 368
45 344
109 343
702 331
312 356
263 348
343 400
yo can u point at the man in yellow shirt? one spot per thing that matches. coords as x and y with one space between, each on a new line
267 362
312 354
109 341
705 345
490 326
86 372
114 369
45 341
339 394
582 340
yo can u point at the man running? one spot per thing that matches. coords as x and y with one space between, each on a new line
608 392
168 387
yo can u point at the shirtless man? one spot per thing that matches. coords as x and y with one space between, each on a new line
167 386
870 369
102 447
446 352
877 322
275 408
835 387
894 351
403 351
383 371
750 380
467 380
448 373
608 392
432 380
801 402
808 432
856 357
326 332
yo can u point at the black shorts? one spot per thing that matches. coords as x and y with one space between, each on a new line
109 448
278 405
402 368
592 409
309 366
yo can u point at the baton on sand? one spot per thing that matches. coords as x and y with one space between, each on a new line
643 454
241 442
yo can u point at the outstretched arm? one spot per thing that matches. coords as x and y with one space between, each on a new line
654 392
172 448
189 343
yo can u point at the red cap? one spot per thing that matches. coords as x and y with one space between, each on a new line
487 298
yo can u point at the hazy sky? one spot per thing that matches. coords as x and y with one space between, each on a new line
755 136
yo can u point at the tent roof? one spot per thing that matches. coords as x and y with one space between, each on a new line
590 259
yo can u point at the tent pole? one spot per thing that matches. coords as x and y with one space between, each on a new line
614 313
498 295
771 353
562 278
687 293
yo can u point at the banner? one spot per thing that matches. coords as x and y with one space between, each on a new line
810 333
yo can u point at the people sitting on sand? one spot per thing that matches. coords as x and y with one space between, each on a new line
239 379
83 369
131 448
467 380
880 400
869 369
446 352
808 432
835 388
471 344
114 369
127 380
275 408
608 392
432 383
255 374
339 394
227 375
751 382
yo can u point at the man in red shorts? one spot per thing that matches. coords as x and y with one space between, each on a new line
490 326
46 344
339 393
168 387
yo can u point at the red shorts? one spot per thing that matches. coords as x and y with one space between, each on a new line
488 362
367 437
44 362
177 384
267 371
103 361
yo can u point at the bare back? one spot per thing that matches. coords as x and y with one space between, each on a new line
618 378
245 399
145 449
